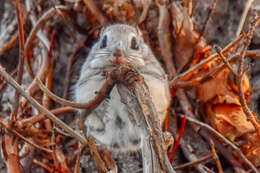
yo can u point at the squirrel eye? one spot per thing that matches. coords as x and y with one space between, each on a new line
134 44
104 42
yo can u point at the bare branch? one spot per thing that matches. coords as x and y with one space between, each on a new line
239 78
200 160
96 12
211 129
164 37
46 16
38 118
10 44
21 57
94 152
211 9
255 54
7 127
219 166
146 7
244 16
101 95
210 58
40 108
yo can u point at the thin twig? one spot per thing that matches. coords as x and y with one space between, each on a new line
109 161
4 82
220 169
174 150
255 54
10 152
244 16
43 165
190 10
21 57
96 12
164 37
77 165
38 118
211 129
7 127
68 70
40 34
41 74
46 101
211 10
210 58
240 77
101 95
187 108
188 4
146 7
95 154
60 132
186 147
219 51
48 80
40 108
46 16
195 81
10 44
200 160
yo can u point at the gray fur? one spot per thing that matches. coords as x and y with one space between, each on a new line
109 124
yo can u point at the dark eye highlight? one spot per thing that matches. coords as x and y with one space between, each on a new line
104 42
134 44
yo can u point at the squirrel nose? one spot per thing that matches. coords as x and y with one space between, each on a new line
117 54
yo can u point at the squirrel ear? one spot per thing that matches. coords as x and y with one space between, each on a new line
138 30
101 32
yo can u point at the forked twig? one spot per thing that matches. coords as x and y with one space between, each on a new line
206 76
225 60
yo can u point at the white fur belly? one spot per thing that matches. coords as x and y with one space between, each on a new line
110 125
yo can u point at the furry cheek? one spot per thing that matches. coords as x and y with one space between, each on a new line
98 63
